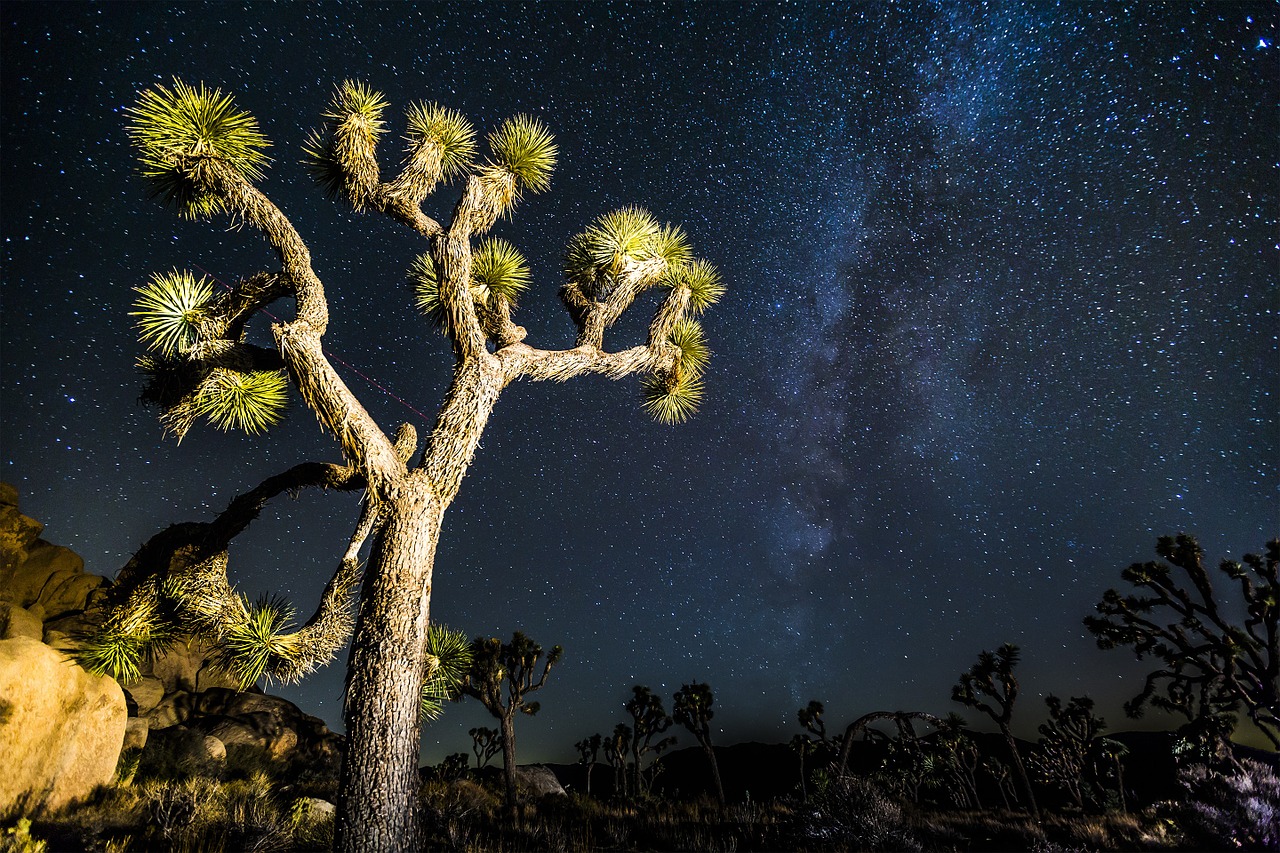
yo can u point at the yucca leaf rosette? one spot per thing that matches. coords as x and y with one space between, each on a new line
248 400
179 130
448 131
168 308
253 646
341 155
448 660
499 273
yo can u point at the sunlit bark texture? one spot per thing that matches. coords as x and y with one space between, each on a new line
203 156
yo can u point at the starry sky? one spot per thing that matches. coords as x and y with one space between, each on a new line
1002 309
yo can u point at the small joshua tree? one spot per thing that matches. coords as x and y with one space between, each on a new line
588 755
616 750
203 156
1070 746
485 743
992 677
811 721
1209 663
691 708
499 668
648 720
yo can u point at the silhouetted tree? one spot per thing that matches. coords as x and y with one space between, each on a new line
803 746
811 721
992 677
901 719
648 720
1069 747
691 708
485 743
1210 665
453 767
588 755
203 156
501 676
617 748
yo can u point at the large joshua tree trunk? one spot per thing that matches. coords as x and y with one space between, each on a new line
508 725
379 784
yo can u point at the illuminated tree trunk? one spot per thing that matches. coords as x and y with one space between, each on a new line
509 762
379 786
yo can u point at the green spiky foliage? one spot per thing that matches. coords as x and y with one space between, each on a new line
498 272
168 308
688 337
342 150
524 147
449 130
448 657
250 647
177 130
703 281
672 399
132 634
249 400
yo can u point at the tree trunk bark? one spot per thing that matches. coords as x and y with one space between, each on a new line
378 792
509 761
1020 770
715 772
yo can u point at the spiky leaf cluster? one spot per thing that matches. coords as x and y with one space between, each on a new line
178 130
525 148
628 241
703 282
499 273
250 400
132 633
448 130
340 155
671 397
168 310
251 648
448 660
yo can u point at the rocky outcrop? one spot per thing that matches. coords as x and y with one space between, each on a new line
61 728
47 580
535 780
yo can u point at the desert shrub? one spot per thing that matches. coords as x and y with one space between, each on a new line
18 839
1237 809
853 813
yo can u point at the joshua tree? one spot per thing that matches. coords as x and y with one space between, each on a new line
1210 665
202 155
510 668
811 721
485 743
1070 746
691 708
803 746
992 676
616 749
648 720
588 755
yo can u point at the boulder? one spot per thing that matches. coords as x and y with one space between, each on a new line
536 780
61 729
144 694
17 622
17 533
135 733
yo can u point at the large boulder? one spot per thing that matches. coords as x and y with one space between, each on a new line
47 580
537 781
61 729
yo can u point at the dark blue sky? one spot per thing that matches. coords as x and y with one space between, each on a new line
1002 309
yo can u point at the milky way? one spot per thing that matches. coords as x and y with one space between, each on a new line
1001 311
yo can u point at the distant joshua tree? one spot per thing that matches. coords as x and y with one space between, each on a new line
588 755
992 677
617 749
203 156
810 718
1070 748
501 676
648 720
485 743
691 708
1209 663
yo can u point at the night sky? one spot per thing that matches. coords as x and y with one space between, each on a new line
1002 309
